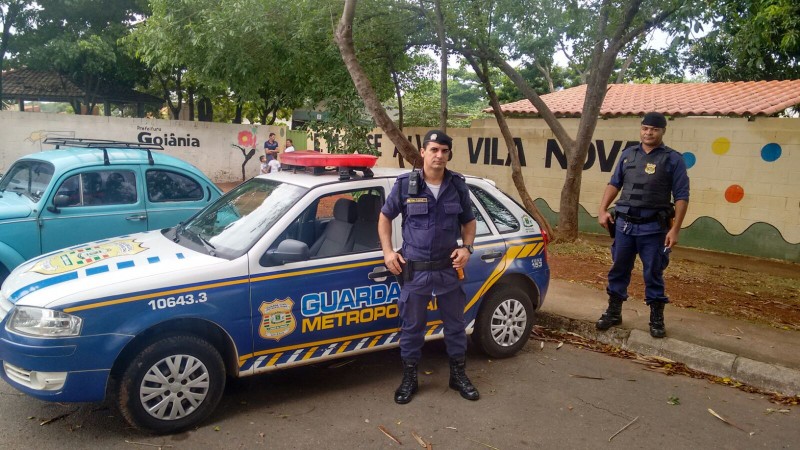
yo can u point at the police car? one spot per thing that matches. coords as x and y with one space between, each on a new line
284 270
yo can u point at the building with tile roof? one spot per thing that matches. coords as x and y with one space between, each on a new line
26 85
732 99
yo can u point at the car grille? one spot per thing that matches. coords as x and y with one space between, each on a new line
41 381
17 374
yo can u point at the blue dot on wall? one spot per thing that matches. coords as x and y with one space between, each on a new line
771 152
689 159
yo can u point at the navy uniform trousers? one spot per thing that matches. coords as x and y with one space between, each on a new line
650 248
414 311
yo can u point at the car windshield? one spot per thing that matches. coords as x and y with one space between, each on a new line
28 178
232 224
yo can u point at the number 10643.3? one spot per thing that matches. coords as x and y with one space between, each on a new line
180 300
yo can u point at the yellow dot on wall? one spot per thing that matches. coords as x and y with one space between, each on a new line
720 146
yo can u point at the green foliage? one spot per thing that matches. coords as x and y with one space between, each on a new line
347 126
750 40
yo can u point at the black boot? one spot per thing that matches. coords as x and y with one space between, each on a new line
612 316
459 380
657 320
408 387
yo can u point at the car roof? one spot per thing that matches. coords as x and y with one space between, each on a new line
309 180
70 158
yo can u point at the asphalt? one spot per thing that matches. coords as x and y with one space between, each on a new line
756 355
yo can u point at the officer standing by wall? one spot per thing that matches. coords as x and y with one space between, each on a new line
650 175
436 211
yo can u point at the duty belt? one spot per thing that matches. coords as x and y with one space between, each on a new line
638 220
431 265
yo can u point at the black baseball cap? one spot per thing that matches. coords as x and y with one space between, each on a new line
439 137
655 119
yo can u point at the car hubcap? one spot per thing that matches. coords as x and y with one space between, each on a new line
174 387
508 322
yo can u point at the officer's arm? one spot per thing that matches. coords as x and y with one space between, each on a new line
391 258
468 232
680 212
603 216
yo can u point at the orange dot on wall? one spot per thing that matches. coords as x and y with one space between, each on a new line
734 193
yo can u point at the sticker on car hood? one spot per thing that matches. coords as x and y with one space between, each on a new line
76 258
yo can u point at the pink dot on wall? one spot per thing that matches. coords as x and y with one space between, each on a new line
734 193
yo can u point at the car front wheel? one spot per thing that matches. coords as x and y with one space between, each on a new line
171 385
505 321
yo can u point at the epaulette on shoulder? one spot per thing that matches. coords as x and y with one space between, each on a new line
456 174
404 175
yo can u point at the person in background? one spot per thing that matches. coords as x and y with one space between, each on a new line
271 147
264 165
289 146
647 223
436 211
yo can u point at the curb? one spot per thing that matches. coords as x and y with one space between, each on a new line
769 377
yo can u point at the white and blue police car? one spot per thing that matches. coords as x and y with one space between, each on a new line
283 270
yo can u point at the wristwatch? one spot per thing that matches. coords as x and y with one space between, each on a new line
469 248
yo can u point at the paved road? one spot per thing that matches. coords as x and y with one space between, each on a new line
530 401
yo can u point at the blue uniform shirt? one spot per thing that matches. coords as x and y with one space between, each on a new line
680 191
431 227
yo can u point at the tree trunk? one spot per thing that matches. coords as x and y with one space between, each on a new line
11 16
344 40
205 110
516 168
443 108
237 118
399 95
190 101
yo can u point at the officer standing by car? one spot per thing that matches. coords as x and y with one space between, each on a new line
650 175
436 211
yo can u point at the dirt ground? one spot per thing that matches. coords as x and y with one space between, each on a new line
758 290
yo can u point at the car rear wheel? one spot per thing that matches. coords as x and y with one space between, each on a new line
504 323
171 385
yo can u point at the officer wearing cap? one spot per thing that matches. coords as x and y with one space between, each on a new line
650 175
436 211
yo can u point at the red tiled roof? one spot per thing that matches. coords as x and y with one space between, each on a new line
740 98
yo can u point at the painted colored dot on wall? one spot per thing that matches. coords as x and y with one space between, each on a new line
734 193
771 152
689 159
720 146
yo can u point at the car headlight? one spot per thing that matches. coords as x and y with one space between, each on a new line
43 322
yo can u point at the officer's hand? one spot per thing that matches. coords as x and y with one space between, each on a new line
604 218
460 256
392 260
672 238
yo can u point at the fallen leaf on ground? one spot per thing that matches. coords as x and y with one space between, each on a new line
673 400
419 440
389 435
713 413
560 344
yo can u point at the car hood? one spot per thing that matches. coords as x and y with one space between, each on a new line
55 278
13 206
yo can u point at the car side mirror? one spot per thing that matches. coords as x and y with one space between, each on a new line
289 250
59 201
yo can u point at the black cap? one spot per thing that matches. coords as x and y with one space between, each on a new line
439 137
655 119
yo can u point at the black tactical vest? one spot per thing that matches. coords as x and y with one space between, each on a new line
646 181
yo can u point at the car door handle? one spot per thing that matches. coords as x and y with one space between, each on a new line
379 274
491 255
137 218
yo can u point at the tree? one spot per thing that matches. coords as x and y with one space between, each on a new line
14 15
749 40
80 41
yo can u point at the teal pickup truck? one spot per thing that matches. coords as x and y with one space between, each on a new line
88 189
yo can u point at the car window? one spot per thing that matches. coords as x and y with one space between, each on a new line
503 219
167 186
482 228
28 178
234 223
104 187
339 223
